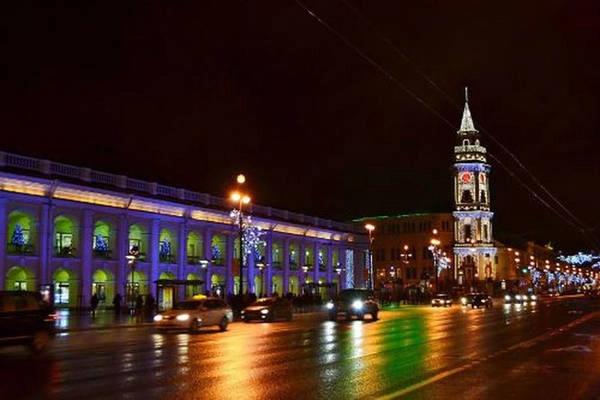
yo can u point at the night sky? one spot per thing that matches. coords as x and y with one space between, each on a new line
340 119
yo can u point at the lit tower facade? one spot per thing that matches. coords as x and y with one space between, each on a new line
474 250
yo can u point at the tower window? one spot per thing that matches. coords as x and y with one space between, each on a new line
485 233
482 197
468 233
466 142
466 197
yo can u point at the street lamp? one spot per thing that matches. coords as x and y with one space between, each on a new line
405 259
370 228
241 198
434 244
132 256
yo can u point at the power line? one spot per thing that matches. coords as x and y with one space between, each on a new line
573 221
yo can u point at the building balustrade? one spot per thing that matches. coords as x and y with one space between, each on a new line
167 258
64 252
27 249
106 254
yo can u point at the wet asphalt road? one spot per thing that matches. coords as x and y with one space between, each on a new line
547 351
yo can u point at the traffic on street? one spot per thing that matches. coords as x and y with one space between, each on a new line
549 349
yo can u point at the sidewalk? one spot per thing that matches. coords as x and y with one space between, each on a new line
70 320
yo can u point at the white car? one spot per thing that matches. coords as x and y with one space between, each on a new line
194 314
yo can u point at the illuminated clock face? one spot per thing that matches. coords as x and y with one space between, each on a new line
465 177
482 177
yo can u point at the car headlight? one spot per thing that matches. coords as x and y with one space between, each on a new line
242 312
448 301
158 317
518 297
483 300
264 311
329 306
432 301
533 297
183 317
357 304
507 298
463 300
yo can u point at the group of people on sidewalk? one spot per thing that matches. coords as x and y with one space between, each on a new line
140 308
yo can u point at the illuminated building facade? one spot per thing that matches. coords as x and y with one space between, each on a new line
474 250
73 228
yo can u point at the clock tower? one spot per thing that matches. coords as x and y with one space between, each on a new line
474 249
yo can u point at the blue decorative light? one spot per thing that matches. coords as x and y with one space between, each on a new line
18 237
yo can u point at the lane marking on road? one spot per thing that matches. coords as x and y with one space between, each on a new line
522 345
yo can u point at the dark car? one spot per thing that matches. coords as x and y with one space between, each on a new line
441 300
25 319
268 309
353 302
476 300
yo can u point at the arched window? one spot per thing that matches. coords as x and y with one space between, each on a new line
466 196
466 142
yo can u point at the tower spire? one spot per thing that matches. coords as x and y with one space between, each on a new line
466 124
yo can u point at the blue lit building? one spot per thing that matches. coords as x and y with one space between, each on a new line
72 228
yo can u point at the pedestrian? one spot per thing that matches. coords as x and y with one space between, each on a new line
150 305
94 303
117 304
139 306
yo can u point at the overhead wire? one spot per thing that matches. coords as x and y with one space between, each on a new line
450 99
573 222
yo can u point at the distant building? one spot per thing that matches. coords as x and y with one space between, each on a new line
401 253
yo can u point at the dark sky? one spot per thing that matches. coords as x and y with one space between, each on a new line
191 93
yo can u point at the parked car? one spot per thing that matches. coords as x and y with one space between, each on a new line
353 302
268 309
193 314
476 300
441 300
25 319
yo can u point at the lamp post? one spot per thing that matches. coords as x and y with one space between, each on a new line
132 256
338 271
305 270
370 228
241 198
434 244
261 268
405 258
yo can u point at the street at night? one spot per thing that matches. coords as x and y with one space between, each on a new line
330 200
547 350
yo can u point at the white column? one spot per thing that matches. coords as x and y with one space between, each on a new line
229 263
154 259
316 269
182 256
3 242
329 265
85 274
301 263
42 248
286 266
122 251
267 285
207 252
